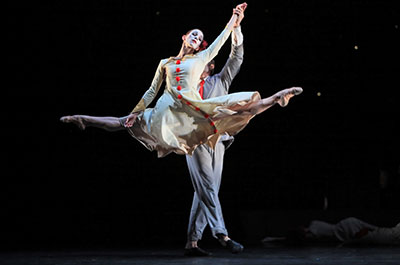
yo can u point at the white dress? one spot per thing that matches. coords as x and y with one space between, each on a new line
181 120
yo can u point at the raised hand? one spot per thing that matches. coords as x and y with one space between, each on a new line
239 11
242 6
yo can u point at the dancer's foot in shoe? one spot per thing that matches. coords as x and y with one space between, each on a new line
283 97
230 244
234 246
196 252
75 119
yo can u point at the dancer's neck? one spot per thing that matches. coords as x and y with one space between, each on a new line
185 51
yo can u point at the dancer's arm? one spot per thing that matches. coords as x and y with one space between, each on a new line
212 51
151 93
148 97
234 61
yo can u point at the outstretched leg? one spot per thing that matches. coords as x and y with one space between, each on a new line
111 124
282 98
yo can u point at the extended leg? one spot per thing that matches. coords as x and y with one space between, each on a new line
82 121
282 98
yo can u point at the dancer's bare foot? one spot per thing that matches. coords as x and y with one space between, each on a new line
75 119
283 96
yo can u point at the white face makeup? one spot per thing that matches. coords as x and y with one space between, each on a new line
194 38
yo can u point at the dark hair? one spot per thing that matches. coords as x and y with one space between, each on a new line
211 72
203 45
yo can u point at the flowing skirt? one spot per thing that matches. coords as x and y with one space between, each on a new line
179 126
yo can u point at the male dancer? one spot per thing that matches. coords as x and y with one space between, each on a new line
205 164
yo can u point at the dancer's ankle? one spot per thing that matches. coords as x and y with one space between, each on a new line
191 244
223 239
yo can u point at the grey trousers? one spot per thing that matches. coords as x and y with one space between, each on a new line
205 168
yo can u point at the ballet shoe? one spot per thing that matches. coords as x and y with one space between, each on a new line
75 119
285 95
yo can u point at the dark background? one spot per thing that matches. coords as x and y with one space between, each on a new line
66 187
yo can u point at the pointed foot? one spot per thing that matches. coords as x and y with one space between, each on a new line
285 95
75 119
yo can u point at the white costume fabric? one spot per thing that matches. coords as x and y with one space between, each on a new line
181 120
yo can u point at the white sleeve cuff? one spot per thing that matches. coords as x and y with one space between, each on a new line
237 36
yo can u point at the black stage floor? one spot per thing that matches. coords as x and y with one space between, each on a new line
251 255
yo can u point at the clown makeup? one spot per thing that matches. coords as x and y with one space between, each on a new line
194 38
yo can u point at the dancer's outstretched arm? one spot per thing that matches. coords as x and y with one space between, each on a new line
149 96
151 93
208 54
113 123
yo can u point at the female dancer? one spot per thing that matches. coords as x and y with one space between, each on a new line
181 119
